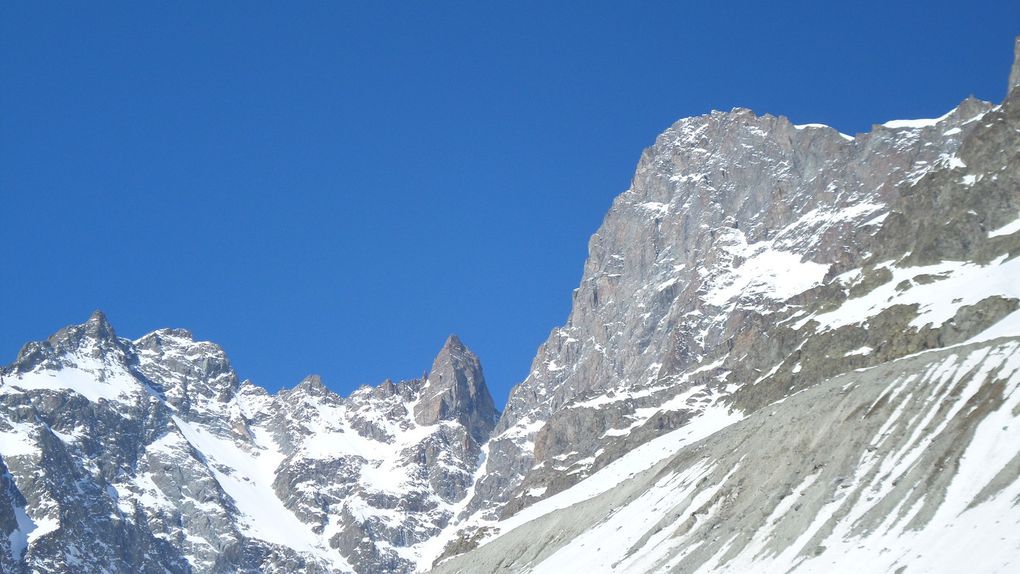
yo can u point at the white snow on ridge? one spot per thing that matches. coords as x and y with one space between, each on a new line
18 538
382 465
247 477
823 126
771 273
915 124
27 529
1008 326
878 219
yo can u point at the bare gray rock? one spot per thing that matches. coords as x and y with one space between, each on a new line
455 390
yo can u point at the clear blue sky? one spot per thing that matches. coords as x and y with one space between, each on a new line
334 187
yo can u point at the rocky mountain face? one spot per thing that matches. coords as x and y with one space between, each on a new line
735 227
821 332
791 348
151 456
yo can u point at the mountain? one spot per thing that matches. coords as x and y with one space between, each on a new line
151 456
791 348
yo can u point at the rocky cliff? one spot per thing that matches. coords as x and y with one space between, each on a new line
767 273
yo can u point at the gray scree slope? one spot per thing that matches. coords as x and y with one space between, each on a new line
752 260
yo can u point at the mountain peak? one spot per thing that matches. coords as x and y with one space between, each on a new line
94 337
453 342
455 390
98 316
97 329
312 384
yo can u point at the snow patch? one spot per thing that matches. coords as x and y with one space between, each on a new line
17 440
1008 229
916 124
114 383
953 284
248 480
766 272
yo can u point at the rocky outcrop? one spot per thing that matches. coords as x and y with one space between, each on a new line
455 390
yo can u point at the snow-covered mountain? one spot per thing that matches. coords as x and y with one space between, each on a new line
791 348
151 456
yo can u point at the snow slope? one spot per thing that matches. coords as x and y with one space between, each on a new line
732 503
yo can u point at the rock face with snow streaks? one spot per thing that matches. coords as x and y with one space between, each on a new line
456 390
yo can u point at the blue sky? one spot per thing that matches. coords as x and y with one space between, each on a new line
334 187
